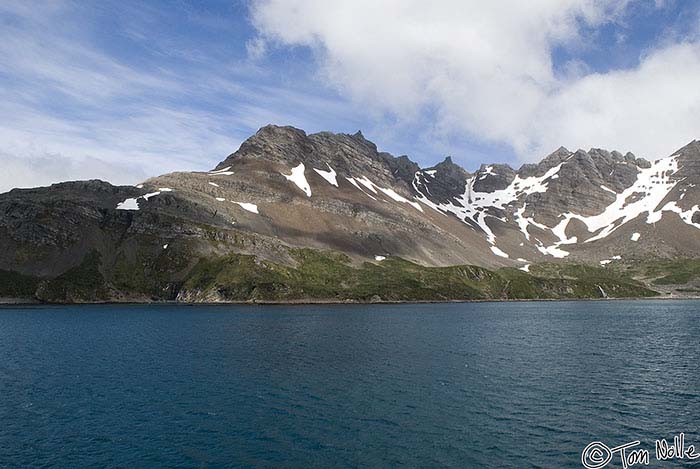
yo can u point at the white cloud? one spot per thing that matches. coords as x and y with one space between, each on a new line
43 170
474 70
256 48
72 110
653 109
485 69
38 148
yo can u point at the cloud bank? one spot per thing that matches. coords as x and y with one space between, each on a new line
125 90
487 69
81 101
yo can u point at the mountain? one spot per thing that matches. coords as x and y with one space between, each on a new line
327 217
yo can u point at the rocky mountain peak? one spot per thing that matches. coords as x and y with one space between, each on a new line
689 162
448 167
559 155
272 143
351 156
401 168
493 177
359 136
691 149
614 157
446 180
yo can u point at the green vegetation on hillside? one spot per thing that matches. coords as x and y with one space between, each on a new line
681 275
149 272
83 283
16 285
327 276
330 276
673 272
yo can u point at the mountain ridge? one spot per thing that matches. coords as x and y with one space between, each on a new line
284 189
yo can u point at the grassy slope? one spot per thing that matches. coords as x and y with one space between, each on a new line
674 272
16 285
330 276
83 283
670 275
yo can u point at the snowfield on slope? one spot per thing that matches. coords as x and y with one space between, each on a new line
298 178
329 175
133 204
375 189
472 205
643 198
248 206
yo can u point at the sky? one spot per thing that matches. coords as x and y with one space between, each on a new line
124 90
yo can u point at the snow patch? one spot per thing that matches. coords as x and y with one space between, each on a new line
608 261
354 183
247 206
220 199
686 215
298 178
128 204
654 182
487 170
213 184
329 175
379 258
498 252
132 203
635 236
472 206
367 183
553 251
222 172
524 222
391 193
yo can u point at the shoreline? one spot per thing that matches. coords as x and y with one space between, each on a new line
26 302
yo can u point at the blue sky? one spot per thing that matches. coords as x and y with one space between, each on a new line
124 90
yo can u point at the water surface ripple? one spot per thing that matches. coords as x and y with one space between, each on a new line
449 385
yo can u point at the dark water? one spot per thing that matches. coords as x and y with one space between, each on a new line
460 385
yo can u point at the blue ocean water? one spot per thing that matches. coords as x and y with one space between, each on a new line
525 384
